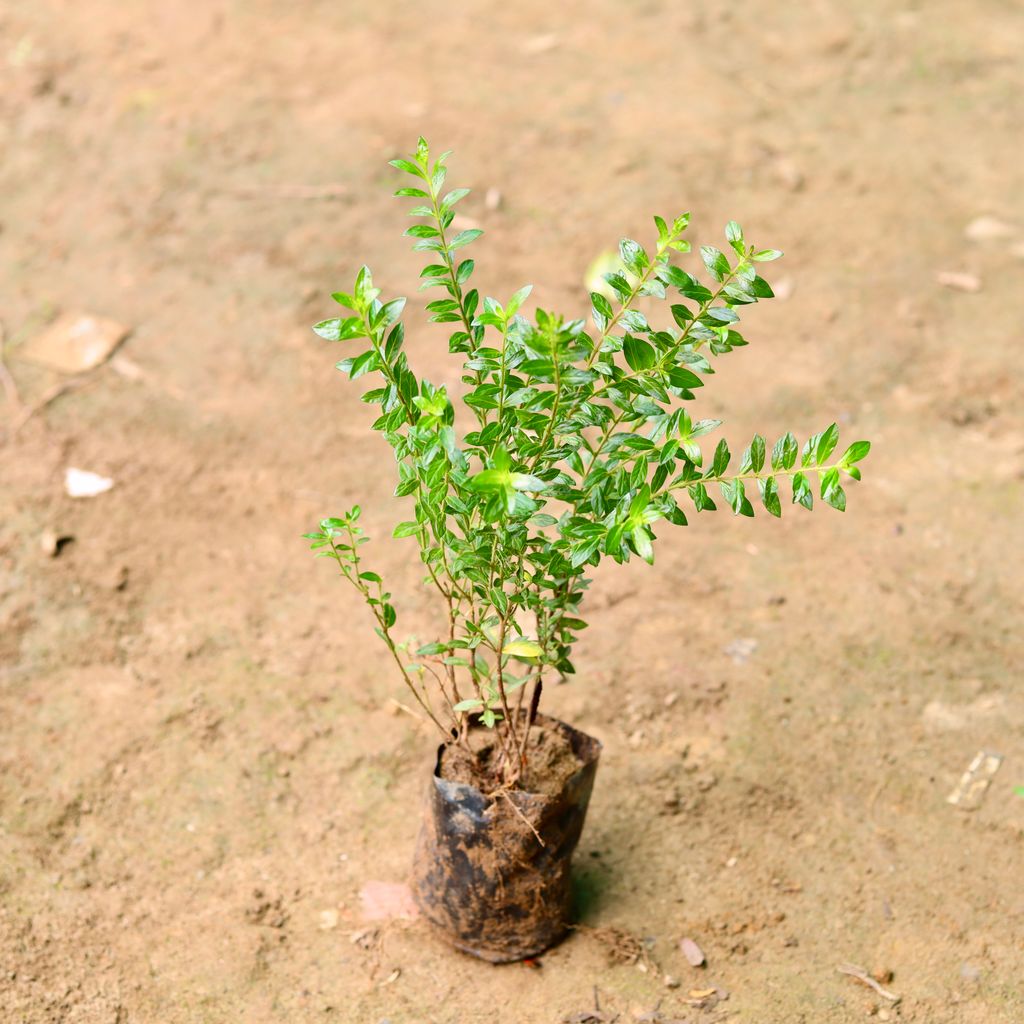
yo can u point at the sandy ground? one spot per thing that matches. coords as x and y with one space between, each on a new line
199 764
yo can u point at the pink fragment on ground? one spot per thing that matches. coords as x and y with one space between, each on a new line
384 901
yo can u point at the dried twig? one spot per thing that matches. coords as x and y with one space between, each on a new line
399 708
10 387
529 824
858 973
52 394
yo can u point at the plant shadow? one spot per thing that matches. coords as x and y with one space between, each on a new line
591 881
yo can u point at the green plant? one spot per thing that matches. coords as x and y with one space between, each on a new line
579 442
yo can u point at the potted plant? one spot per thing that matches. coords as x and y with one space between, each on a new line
572 443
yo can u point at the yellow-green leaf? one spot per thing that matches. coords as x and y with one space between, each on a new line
522 648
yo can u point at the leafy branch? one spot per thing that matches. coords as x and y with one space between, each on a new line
582 442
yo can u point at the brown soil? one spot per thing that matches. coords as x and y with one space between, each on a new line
549 763
193 711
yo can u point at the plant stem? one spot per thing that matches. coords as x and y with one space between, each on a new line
376 606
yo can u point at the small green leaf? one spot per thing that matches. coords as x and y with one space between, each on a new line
639 354
434 648
406 529
784 452
363 364
826 443
340 329
770 496
526 482
517 300
753 456
832 492
720 462
857 451
642 542
802 494
454 196
405 165
715 261
464 238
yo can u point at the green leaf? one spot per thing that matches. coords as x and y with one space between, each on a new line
602 309
720 462
639 354
802 494
526 482
406 529
490 480
642 542
753 456
701 499
832 492
784 452
633 256
733 492
434 648
363 364
517 300
770 496
389 313
766 255
340 329
715 261
857 451
471 704
734 236
464 238
827 442
405 165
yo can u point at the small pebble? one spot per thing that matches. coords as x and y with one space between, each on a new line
788 174
986 228
540 44
959 281
693 953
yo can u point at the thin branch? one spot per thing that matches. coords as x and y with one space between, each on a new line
853 971
10 386
529 824
51 395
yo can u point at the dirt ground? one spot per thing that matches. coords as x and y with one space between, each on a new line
200 766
